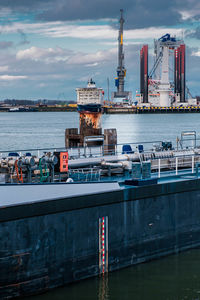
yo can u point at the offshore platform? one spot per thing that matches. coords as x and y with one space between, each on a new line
124 96
156 87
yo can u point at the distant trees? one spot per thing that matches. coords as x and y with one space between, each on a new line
16 102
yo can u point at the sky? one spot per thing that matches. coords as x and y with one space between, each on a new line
48 48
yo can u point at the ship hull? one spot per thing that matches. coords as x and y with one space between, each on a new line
47 243
89 108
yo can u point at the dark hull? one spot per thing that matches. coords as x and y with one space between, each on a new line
89 108
50 243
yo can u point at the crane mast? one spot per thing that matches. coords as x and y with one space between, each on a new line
121 71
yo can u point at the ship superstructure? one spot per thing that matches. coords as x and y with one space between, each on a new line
90 98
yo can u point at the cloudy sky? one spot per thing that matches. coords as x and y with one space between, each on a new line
50 47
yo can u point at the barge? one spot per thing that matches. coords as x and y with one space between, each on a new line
142 206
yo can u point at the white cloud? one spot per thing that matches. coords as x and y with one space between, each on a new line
93 58
105 32
185 15
46 54
4 68
190 13
196 53
50 55
5 12
62 29
92 65
11 77
81 32
151 33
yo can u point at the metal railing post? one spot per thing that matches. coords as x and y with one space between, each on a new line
159 168
176 165
192 164
197 169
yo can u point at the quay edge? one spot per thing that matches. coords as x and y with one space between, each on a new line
151 110
50 243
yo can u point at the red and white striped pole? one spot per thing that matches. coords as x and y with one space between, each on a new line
103 245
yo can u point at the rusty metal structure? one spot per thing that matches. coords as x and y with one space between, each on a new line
89 121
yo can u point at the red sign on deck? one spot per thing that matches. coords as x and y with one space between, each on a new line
63 161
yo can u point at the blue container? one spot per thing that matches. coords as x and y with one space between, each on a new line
140 148
13 154
127 149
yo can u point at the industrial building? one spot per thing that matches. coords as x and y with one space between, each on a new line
156 87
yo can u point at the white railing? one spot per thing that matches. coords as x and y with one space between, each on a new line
177 164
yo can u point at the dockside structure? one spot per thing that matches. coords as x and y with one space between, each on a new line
179 72
144 73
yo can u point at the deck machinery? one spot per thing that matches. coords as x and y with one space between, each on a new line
156 88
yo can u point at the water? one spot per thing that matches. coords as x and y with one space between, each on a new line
47 129
175 277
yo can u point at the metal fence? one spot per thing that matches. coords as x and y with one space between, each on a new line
89 174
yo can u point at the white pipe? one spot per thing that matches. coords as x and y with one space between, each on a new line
112 165
122 164
80 162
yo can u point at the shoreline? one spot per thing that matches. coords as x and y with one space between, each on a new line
117 110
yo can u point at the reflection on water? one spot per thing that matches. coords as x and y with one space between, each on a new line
103 293
47 129
175 277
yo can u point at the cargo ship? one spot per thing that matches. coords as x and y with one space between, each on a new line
115 210
90 98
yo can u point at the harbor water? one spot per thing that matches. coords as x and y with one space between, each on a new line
173 277
47 129
176 277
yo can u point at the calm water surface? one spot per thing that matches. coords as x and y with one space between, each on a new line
47 129
174 277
